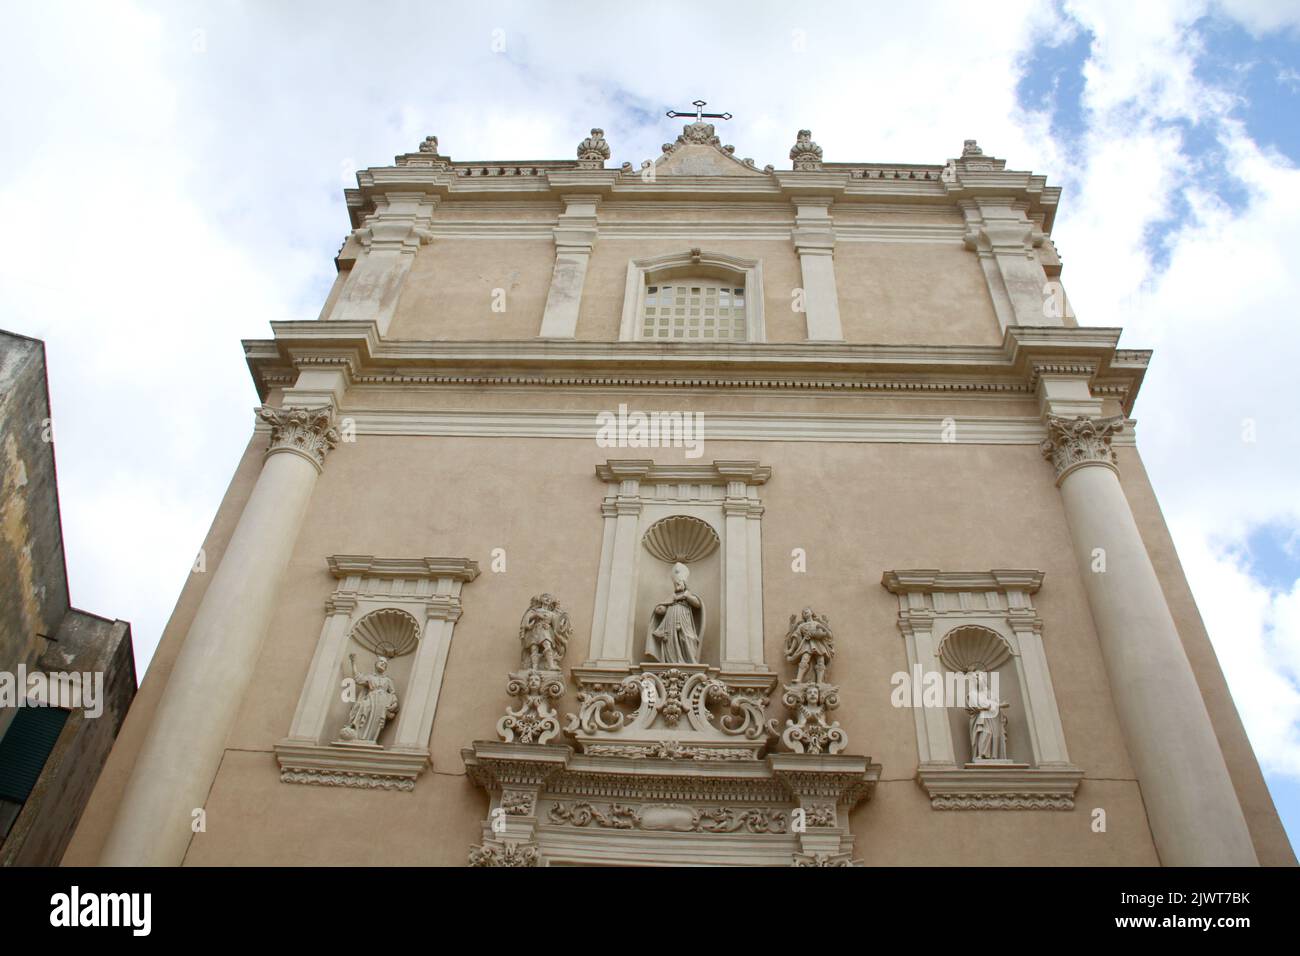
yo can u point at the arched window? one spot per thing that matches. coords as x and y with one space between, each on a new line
693 296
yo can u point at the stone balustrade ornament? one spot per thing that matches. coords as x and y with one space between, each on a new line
805 154
593 151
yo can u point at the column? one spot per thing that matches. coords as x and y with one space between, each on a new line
1195 816
814 241
391 237
180 755
575 235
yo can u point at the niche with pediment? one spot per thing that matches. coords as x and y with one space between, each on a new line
365 713
706 517
965 622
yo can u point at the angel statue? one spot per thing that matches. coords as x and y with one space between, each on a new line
809 641
676 626
544 634
376 704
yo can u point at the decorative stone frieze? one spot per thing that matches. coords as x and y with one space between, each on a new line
822 859
593 151
308 432
620 816
668 763
806 154
1074 442
507 853
670 711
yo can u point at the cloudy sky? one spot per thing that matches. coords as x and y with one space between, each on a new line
172 177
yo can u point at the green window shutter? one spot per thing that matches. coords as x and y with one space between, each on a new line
25 748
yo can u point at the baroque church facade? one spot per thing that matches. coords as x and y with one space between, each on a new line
690 513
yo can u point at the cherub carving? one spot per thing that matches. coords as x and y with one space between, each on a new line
809 641
544 634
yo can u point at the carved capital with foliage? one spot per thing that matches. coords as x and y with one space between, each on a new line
309 432
1074 442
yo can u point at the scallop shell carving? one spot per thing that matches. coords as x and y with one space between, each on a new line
969 649
387 632
680 538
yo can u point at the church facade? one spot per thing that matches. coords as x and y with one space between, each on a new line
690 513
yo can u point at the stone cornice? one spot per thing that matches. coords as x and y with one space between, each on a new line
460 569
1012 367
926 581
715 473
547 180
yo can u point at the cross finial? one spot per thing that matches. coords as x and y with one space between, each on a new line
700 115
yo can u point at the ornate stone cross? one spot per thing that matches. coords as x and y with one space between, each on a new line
700 115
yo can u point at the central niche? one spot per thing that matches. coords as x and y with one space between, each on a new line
685 549
707 517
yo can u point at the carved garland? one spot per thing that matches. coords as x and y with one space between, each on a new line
619 816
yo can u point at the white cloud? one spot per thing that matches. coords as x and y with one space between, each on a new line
166 198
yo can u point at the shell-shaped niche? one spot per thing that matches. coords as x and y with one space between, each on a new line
388 632
969 649
680 538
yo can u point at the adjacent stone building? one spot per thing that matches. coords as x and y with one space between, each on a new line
658 514
66 677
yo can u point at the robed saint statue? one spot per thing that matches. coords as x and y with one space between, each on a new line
676 626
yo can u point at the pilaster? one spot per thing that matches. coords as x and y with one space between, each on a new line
575 235
388 240
814 242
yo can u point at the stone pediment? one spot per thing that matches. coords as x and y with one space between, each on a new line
699 152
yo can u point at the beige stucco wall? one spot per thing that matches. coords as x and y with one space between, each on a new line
448 294
889 294
888 290
857 509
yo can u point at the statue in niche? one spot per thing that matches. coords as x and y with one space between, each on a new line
544 634
809 641
677 626
988 729
376 704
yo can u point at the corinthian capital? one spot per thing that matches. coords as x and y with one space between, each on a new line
1072 442
309 432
